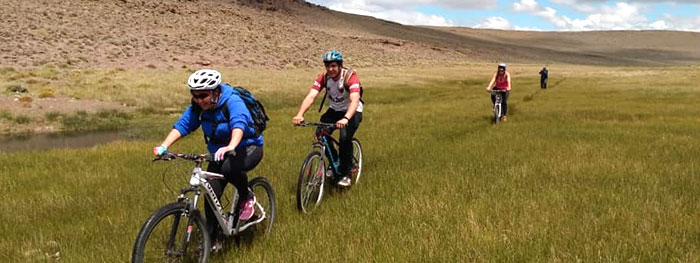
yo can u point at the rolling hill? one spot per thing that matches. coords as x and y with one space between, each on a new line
290 34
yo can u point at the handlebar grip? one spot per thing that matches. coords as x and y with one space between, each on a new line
167 156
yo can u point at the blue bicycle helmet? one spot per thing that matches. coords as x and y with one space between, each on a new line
333 56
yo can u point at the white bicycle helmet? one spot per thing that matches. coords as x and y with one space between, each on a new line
204 79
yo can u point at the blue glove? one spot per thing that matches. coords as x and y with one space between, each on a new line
160 150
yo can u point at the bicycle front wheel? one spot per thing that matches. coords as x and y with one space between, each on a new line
497 113
172 235
356 160
265 205
310 185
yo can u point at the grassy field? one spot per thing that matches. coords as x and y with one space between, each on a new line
601 167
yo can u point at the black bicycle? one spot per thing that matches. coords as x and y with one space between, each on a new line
497 108
321 164
177 232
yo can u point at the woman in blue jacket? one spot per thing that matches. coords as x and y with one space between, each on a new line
225 133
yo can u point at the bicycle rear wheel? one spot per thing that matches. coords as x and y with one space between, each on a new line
310 185
356 160
265 205
172 235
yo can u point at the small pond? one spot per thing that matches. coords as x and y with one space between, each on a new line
33 142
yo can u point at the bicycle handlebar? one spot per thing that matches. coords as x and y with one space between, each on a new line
167 156
318 124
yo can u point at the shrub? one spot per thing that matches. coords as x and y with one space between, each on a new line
49 72
17 88
5 70
103 120
25 99
5 115
22 119
46 93
52 115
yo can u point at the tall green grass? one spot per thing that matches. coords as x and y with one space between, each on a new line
603 166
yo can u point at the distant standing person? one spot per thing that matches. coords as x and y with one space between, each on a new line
501 81
544 74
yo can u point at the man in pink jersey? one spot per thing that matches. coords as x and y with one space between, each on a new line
344 91
500 81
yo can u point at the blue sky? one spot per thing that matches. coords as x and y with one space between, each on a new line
540 15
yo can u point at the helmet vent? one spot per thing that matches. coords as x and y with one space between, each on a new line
205 79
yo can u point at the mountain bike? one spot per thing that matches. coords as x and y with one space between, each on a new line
177 232
321 164
497 109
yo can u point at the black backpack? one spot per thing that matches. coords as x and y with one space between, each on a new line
256 109
346 77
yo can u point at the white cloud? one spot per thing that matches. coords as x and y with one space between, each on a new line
680 23
584 7
413 18
620 16
379 10
495 22
526 6
659 25
406 4
498 22
520 28
597 14
626 1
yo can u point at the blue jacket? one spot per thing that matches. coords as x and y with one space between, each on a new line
220 136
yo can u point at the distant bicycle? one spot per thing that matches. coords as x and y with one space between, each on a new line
177 232
321 164
497 109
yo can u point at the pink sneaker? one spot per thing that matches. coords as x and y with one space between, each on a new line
247 209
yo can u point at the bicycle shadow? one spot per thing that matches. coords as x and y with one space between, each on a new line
234 244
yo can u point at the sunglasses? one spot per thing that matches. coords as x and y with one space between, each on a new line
200 95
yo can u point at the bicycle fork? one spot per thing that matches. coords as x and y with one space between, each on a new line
176 223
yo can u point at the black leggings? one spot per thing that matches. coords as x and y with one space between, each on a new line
346 135
504 101
234 168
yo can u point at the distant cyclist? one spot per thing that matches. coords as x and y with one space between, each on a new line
225 134
501 81
344 90
544 74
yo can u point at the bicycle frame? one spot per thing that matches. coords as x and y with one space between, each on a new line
199 180
323 144
497 109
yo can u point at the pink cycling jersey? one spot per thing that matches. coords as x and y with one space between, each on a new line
502 82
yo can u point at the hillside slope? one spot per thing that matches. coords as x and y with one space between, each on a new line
289 33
